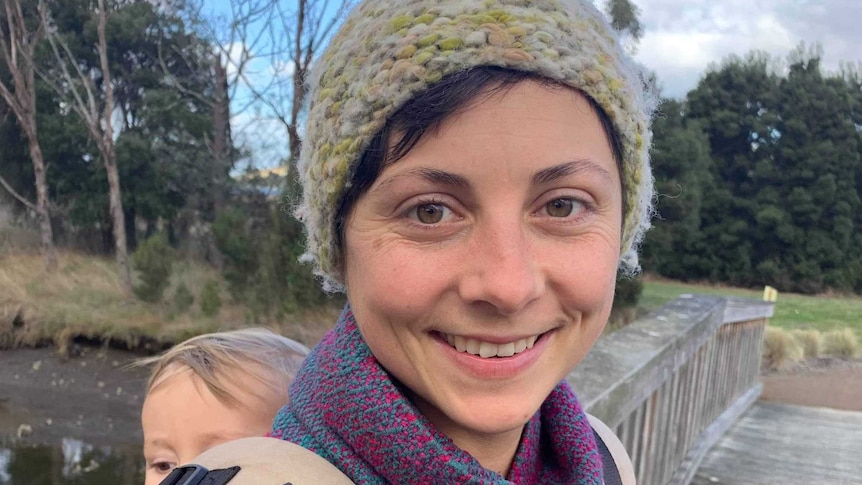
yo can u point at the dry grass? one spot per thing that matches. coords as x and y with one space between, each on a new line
779 348
83 299
811 342
13 238
840 343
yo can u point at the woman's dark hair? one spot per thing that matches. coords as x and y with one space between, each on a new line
425 113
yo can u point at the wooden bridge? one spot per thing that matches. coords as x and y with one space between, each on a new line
681 388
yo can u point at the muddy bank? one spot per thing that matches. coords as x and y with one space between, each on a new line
826 382
45 398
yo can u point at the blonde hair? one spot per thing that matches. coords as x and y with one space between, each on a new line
215 359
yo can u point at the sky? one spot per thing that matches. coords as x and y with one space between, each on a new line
682 38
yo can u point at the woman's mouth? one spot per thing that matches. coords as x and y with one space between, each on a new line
488 349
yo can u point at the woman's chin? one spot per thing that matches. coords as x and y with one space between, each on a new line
484 416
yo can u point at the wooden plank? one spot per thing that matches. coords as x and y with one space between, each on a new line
626 367
780 443
746 310
711 435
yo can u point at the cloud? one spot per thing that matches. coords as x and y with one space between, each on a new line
263 139
681 39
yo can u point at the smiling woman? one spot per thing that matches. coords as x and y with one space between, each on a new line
487 262
475 176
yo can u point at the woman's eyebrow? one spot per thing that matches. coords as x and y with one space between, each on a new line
433 175
568 168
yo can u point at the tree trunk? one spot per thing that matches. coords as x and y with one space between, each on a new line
17 54
110 159
118 219
298 88
49 250
221 138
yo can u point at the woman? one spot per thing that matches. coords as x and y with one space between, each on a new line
475 175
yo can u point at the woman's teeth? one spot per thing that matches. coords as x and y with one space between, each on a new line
487 349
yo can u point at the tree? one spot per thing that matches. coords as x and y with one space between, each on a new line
735 104
682 169
817 167
266 35
161 137
624 17
781 202
95 105
18 42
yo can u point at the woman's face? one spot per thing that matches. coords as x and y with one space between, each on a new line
481 266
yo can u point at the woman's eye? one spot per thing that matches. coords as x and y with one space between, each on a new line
560 207
430 213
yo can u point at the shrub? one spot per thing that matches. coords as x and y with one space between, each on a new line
840 343
210 300
626 296
153 261
628 292
183 298
809 340
237 238
779 348
261 244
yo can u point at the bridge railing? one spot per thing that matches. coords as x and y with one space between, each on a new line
671 384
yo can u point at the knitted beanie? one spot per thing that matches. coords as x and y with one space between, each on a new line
388 51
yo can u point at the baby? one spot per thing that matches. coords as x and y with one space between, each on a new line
211 389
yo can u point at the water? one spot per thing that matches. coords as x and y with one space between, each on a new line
70 421
72 462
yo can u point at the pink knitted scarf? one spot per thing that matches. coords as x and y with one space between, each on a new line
346 408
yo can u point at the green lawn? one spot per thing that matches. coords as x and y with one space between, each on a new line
822 313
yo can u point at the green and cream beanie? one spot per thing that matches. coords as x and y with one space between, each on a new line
388 51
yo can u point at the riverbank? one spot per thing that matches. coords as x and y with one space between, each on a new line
94 398
83 301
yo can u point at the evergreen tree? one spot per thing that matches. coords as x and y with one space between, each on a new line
818 160
735 105
682 169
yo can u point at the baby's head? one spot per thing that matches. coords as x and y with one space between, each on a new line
211 389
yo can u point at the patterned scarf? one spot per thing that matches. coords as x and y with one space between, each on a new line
346 408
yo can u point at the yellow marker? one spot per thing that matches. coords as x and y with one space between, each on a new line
770 293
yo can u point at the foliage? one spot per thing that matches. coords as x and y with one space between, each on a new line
163 129
681 166
779 348
261 243
183 298
754 191
153 261
624 17
840 343
210 301
627 292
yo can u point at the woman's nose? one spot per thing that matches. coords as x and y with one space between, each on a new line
502 270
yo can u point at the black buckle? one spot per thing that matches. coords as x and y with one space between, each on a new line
196 474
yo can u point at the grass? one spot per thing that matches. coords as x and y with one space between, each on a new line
84 300
792 311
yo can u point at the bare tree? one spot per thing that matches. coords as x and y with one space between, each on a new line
17 46
95 109
302 34
282 41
